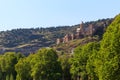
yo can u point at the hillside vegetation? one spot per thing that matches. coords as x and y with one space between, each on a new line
99 61
96 60
29 40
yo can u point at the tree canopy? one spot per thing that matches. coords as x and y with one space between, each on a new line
108 67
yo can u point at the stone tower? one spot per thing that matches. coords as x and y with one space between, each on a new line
80 31
91 30
81 27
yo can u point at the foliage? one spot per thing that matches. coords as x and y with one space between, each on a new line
99 61
80 58
45 65
90 61
65 64
23 67
7 65
107 67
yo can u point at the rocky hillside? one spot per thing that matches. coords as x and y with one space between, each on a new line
29 40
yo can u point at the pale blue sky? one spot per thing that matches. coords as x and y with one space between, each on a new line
46 13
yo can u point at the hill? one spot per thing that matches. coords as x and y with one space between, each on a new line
29 40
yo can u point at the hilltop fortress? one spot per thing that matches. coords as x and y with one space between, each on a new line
81 32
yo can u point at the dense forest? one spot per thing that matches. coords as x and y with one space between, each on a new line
29 40
98 60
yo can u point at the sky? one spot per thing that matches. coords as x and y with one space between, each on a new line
49 13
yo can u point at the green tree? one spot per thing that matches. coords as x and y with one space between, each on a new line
23 66
64 60
23 69
108 59
7 65
90 66
45 65
80 60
